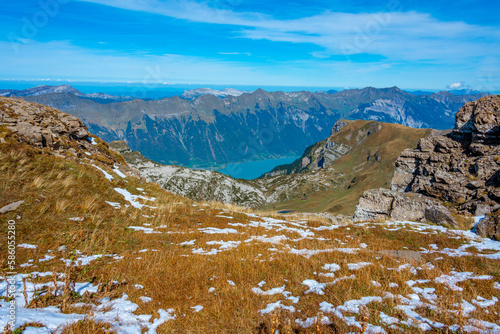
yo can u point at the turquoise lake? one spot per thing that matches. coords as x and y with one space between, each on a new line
254 169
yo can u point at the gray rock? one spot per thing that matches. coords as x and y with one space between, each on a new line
390 204
339 125
11 207
489 227
461 167
482 210
440 215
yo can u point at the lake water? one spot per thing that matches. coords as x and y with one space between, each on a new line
254 169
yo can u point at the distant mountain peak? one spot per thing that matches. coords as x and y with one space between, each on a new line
42 90
195 93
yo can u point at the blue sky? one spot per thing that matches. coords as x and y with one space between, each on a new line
410 44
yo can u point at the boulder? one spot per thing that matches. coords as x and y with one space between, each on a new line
481 116
390 204
440 215
489 227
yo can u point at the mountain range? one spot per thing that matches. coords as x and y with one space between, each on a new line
63 89
212 131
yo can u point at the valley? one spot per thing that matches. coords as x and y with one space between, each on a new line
210 131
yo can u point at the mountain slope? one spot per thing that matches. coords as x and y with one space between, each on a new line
202 185
100 251
364 155
212 131
365 152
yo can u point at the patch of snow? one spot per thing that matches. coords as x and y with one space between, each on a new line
118 172
225 245
269 292
357 266
114 204
332 267
28 246
314 286
197 308
388 320
132 199
146 230
146 300
273 306
272 240
46 258
106 174
214 230
456 277
480 301
82 261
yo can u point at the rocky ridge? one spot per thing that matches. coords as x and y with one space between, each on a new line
55 133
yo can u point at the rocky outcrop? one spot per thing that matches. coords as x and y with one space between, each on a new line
389 204
461 168
54 133
489 227
42 126
326 152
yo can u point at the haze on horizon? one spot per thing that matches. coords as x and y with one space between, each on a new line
319 43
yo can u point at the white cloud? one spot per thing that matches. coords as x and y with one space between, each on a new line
456 85
396 35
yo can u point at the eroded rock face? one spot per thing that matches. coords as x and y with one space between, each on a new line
389 204
489 227
463 167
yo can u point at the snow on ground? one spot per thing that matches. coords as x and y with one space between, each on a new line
28 246
119 173
114 204
83 260
147 230
118 312
358 265
282 236
106 174
214 230
132 199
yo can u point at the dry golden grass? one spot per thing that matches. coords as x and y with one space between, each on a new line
178 275
88 325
